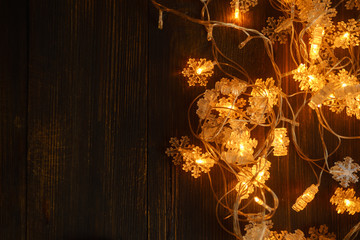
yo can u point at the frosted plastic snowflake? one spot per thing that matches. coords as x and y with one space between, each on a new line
353 106
244 5
240 147
321 233
344 172
310 78
261 170
350 4
342 78
177 148
258 230
206 103
247 179
198 72
349 101
211 130
266 89
278 29
197 162
258 109
345 201
297 235
227 87
316 11
315 234
245 187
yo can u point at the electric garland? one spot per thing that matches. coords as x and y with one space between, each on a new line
326 55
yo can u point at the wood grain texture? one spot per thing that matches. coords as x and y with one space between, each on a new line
191 206
87 120
13 112
91 93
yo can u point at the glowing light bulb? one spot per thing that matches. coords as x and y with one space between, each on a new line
258 200
237 9
347 202
346 35
200 161
242 147
261 203
344 85
198 71
305 198
281 141
316 42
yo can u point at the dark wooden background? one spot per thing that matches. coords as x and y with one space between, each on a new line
91 92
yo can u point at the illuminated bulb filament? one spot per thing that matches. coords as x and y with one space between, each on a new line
199 71
237 9
200 161
316 42
261 203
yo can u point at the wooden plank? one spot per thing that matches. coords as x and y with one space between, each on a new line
87 120
13 126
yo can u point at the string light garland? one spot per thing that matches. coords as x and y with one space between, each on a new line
237 105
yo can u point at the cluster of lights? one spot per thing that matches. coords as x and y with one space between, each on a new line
229 112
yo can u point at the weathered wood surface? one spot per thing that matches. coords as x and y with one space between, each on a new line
13 112
87 163
91 92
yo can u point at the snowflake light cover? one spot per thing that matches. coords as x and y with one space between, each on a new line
344 172
325 56
346 201
198 72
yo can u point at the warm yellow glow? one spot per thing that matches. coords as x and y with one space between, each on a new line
314 51
345 201
316 42
344 85
200 161
281 141
300 68
305 198
261 203
237 9
198 71
237 13
346 35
